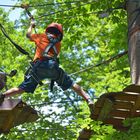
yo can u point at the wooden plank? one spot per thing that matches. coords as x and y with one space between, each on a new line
32 116
121 96
15 112
114 121
18 111
3 116
8 123
133 109
117 123
120 113
99 102
4 121
23 116
104 113
122 105
9 104
27 114
137 103
94 117
121 128
97 111
137 114
132 88
85 134
126 97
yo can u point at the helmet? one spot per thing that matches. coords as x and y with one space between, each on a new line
55 25
55 28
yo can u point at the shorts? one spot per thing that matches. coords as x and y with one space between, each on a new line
42 69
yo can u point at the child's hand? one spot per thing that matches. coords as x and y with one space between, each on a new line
32 23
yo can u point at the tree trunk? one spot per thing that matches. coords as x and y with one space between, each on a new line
133 11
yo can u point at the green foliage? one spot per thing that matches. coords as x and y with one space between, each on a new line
88 40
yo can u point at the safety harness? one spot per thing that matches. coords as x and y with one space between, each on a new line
52 45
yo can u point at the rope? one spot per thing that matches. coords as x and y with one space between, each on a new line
103 62
41 5
61 102
60 11
16 45
96 13
16 6
75 16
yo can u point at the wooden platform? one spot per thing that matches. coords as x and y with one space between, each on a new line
14 112
132 88
112 108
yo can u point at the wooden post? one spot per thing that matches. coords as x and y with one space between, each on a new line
133 14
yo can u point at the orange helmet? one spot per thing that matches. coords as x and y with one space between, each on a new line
55 28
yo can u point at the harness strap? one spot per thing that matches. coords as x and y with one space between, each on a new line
52 43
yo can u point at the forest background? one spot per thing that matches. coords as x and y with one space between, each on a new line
95 33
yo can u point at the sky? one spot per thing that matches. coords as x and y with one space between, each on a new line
13 14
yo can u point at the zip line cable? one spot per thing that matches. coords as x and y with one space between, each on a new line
60 102
14 6
41 5
103 62
60 11
76 16
64 10
89 13
49 103
98 12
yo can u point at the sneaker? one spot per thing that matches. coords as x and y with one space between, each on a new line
90 105
2 96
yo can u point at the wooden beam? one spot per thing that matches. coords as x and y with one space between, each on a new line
107 107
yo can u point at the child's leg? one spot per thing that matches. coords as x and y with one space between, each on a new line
80 91
13 91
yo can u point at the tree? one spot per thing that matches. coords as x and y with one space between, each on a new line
89 39
133 39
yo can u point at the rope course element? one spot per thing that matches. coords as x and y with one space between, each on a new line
103 62
64 10
100 13
41 5
60 102
10 119
95 12
49 103
115 107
